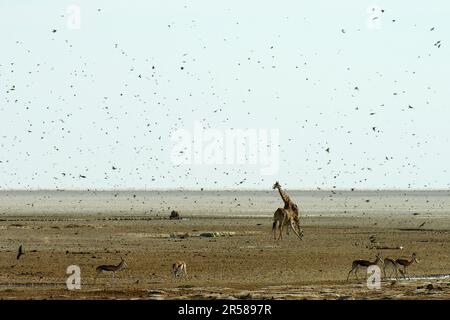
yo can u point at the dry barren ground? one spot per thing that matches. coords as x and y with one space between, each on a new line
241 261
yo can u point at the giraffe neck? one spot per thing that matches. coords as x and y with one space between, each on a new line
283 195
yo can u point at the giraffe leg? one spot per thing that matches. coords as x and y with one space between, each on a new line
294 226
280 229
274 229
280 237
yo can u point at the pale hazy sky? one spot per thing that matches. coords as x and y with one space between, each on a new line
371 86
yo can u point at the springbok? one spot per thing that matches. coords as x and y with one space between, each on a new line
389 262
111 268
406 263
363 264
179 269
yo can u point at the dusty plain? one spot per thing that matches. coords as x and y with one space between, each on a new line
226 240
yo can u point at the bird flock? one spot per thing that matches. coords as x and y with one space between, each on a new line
80 132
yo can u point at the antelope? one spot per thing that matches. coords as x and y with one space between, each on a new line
111 268
363 264
286 217
388 262
406 263
179 269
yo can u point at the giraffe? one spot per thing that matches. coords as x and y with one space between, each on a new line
289 206
286 217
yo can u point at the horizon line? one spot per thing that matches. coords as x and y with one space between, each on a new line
215 190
